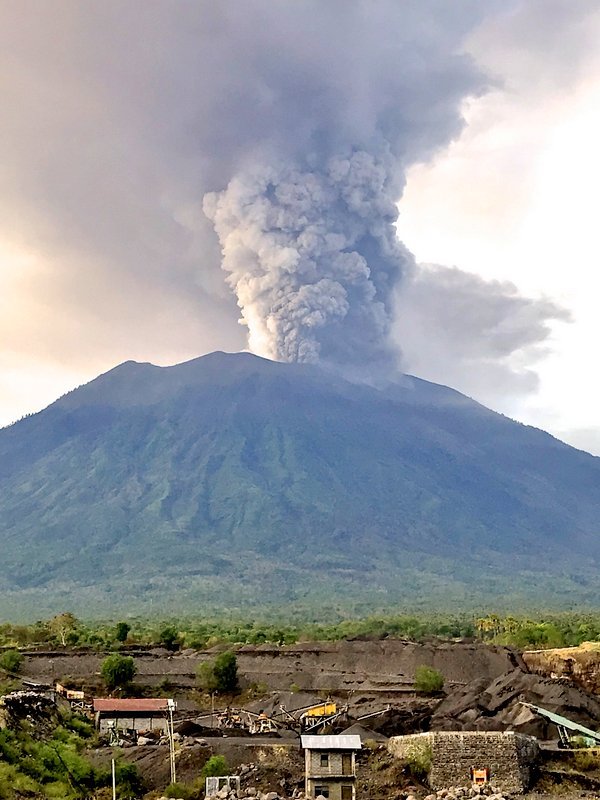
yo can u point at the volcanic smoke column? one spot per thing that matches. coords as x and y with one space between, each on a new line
313 257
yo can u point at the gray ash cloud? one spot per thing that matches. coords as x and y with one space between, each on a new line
313 259
290 124
337 101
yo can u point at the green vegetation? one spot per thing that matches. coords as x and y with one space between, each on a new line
122 631
585 760
527 632
418 760
234 515
64 628
169 637
117 670
428 680
11 661
179 790
219 675
214 767
55 767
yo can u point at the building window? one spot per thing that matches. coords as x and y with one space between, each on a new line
322 790
346 792
324 759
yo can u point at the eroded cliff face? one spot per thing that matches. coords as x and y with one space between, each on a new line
376 667
579 664
383 666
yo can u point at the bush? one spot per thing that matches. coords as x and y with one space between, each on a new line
428 680
11 661
206 678
418 760
178 790
118 670
214 767
584 760
129 781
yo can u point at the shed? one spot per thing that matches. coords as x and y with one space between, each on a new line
133 714
330 766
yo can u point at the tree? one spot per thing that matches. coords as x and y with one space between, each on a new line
11 661
122 631
428 680
226 672
205 675
118 670
219 675
62 625
169 637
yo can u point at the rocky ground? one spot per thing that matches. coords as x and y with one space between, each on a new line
483 690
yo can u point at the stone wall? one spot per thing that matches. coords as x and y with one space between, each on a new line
448 755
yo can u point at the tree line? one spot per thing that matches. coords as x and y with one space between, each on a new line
65 630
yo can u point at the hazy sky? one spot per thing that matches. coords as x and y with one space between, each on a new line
118 118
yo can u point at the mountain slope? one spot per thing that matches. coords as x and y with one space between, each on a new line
231 480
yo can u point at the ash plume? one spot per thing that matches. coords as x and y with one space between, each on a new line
295 121
307 222
313 257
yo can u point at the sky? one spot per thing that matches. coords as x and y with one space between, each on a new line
386 183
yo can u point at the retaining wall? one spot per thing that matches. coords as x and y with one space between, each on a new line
510 757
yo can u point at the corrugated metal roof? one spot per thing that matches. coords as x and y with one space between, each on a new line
134 704
563 722
341 742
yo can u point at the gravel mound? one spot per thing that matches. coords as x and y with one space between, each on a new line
496 706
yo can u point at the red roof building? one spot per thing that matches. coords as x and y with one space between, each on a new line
132 714
131 704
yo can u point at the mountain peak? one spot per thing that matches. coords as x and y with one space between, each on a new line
230 479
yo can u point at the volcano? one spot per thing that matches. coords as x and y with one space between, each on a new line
234 483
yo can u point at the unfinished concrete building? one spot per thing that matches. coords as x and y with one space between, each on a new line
330 766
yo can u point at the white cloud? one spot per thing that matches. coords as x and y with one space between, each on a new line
516 196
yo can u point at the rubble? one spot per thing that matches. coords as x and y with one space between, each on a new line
452 793
250 792
488 791
496 706
37 708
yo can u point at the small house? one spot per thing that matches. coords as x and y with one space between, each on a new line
330 766
132 714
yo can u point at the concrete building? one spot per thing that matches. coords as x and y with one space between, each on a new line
330 766
131 714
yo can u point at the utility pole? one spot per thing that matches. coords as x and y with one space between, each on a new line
171 705
114 779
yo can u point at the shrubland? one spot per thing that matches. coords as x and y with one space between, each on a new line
53 764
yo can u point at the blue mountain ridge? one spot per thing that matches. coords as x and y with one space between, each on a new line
231 482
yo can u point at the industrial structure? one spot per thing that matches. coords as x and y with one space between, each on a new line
570 734
132 716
